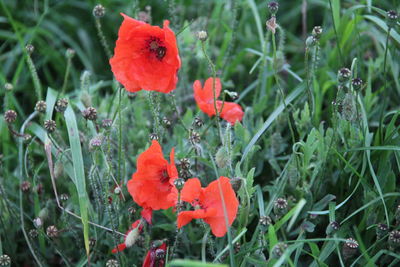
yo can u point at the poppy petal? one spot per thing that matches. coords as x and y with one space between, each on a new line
147 214
185 217
191 190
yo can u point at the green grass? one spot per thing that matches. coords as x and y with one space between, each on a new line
332 155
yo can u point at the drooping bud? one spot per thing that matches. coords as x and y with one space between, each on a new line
99 11
10 116
61 104
202 35
41 106
50 126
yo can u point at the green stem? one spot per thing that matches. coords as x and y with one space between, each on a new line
67 71
35 77
336 35
214 75
102 38
120 137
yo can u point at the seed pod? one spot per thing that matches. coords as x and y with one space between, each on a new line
392 18
112 263
202 36
332 228
5 260
41 106
52 231
185 163
280 206
265 221
394 239
222 157
166 122
317 32
198 123
357 83
10 116
278 250
344 75
61 105
179 183
350 248
29 48
99 11
90 114
194 137
273 7
50 126
153 136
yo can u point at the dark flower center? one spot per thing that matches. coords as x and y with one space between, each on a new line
156 47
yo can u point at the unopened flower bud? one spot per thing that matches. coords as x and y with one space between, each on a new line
37 222
391 18
5 260
222 157
317 32
41 106
344 75
202 36
29 48
99 11
332 228
166 122
179 183
350 248
198 122
90 114
8 87
50 126
70 53
61 104
52 231
278 250
394 239
10 116
112 263
153 136
382 229
273 7
357 83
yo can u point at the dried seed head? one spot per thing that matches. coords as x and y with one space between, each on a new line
99 11
106 123
179 183
350 248
357 83
64 197
202 35
50 126
394 238
37 222
29 48
153 136
160 254
112 263
166 122
236 183
278 250
69 53
95 143
10 116
184 163
92 242
273 7
381 230
194 137
391 18
311 41
332 228
33 233
41 106
8 87
90 114
25 186
61 104
265 221
198 122
5 260
344 75
317 32
280 204
52 231
185 174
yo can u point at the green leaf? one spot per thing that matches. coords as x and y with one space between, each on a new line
190 263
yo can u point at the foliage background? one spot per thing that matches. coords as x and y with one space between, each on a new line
344 165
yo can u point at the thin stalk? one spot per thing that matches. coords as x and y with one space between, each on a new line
214 75
35 77
120 137
102 38
21 178
67 71
309 90
336 35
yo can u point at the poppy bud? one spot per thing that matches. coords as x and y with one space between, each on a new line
179 183
61 104
350 248
344 75
8 87
198 122
132 237
381 230
222 157
5 260
280 206
194 137
25 186
106 123
10 116
391 18
153 136
90 114
99 11
357 83
33 233
332 228
236 183
166 122
41 106
50 126
317 32
278 250
184 163
52 231
202 36
273 7
311 41
265 221
70 53
394 239
29 48
112 263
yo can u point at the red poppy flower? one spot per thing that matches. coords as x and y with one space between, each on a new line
208 204
204 97
152 185
155 256
145 57
130 237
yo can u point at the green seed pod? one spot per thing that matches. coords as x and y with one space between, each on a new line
222 157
